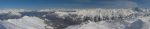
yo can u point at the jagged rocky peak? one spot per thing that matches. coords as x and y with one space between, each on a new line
137 9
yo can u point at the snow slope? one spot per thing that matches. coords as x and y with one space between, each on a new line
76 19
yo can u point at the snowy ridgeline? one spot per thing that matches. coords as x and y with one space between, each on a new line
75 19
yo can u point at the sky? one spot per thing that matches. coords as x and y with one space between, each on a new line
74 3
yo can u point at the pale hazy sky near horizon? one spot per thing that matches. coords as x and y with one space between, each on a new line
74 3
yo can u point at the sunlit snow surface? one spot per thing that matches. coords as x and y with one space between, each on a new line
75 19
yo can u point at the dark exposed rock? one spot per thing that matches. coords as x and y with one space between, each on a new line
8 16
33 13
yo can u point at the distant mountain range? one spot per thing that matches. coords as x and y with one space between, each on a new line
75 19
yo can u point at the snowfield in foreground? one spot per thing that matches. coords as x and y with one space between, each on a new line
75 19
24 23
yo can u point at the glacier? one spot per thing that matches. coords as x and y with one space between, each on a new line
97 18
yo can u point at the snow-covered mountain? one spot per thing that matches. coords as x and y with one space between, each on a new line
75 19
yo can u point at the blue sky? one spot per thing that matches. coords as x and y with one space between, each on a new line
74 3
